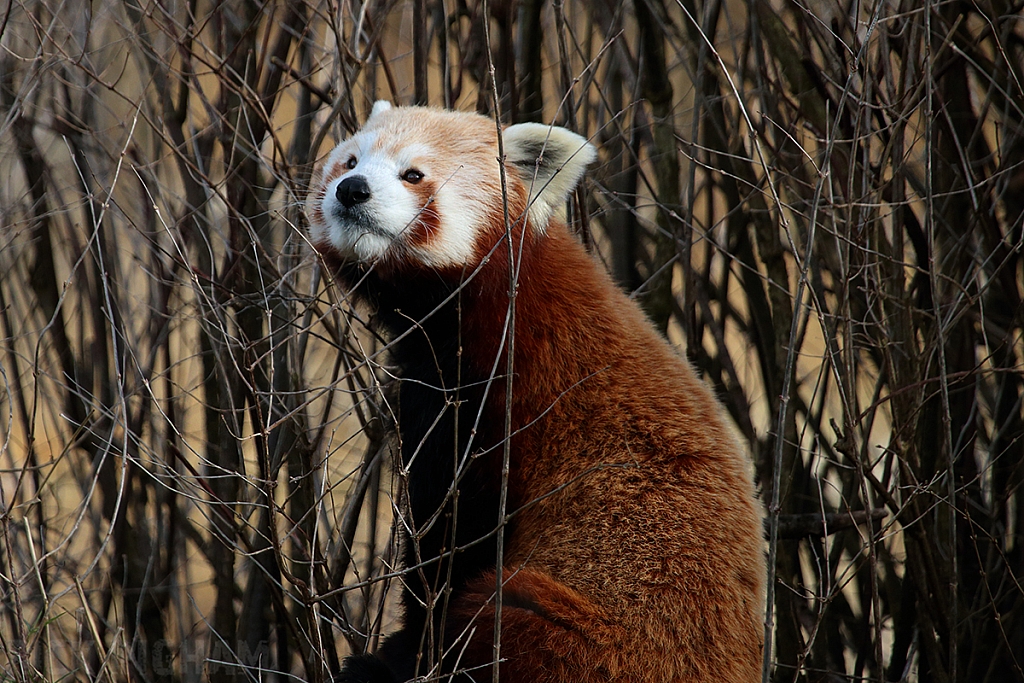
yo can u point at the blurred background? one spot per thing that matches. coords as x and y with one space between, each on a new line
820 204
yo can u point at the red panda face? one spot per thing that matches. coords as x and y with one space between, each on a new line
423 185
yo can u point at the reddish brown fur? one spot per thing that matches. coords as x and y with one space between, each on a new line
634 551
429 220
648 559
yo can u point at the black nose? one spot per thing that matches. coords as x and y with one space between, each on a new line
352 191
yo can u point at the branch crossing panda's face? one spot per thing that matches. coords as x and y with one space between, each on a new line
422 185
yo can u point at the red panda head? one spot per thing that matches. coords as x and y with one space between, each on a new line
422 186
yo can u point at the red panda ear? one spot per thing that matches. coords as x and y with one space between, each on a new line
550 161
378 107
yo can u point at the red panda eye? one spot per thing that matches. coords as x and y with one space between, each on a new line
412 176
351 163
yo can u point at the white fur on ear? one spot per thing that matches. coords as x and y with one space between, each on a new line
378 107
550 160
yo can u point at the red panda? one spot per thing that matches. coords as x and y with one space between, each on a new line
632 548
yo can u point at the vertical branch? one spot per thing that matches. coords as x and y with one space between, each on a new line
531 104
509 350
656 88
420 52
701 69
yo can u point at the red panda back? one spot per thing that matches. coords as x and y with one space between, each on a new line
630 494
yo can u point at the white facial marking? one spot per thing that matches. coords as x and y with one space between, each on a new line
368 229
375 228
462 216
